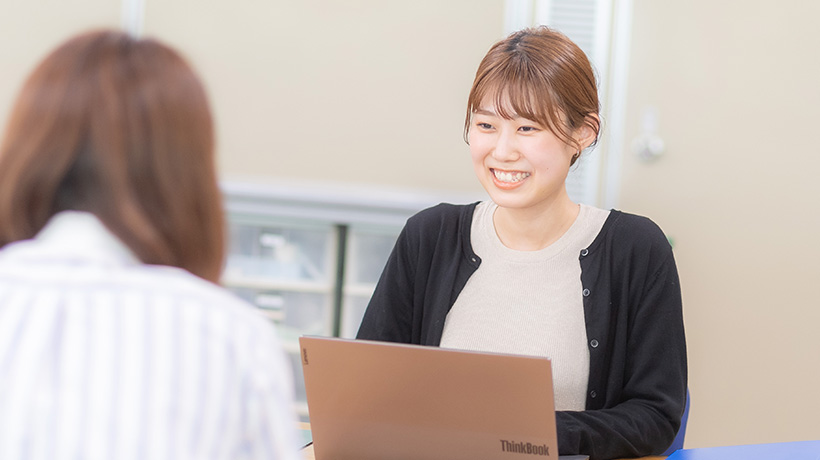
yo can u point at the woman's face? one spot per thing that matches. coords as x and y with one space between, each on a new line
520 163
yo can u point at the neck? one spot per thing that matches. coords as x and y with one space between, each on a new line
531 229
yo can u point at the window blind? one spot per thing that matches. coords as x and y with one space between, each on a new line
586 22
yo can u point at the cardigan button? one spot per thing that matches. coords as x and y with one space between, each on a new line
584 252
593 343
586 292
593 394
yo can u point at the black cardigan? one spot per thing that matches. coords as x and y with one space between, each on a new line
637 379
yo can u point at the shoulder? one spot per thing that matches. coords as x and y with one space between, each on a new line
439 220
628 227
185 291
240 339
443 214
627 235
439 231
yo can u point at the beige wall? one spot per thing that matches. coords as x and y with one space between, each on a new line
30 29
362 91
351 92
735 86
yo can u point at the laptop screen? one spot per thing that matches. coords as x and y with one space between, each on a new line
381 401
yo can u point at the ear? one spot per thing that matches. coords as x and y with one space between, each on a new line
585 135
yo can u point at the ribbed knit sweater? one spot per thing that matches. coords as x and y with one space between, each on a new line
529 302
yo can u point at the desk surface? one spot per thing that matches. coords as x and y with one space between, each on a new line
308 451
309 455
799 450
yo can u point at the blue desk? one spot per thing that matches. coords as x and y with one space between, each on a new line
803 450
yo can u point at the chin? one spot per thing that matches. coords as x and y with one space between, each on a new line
504 200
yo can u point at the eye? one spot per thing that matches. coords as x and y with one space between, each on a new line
483 125
527 129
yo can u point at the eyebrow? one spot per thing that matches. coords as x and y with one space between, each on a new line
490 113
485 112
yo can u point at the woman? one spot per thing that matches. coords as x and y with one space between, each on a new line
115 341
531 272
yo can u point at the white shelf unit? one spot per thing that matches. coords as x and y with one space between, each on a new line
309 260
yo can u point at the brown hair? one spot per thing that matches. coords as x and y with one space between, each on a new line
546 78
119 127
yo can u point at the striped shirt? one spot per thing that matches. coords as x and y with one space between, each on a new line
103 357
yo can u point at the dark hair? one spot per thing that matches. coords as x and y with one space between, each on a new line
119 127
545 77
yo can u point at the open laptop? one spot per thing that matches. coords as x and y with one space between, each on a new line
385 401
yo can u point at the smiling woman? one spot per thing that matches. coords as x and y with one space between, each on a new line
531 112
545 78
531 272
523 165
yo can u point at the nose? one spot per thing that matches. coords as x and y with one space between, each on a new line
505 147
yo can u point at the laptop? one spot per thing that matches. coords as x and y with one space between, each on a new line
386 401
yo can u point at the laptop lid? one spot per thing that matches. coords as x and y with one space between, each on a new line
385 401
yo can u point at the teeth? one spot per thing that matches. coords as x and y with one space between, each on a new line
511 177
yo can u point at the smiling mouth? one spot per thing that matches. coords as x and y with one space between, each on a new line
509 177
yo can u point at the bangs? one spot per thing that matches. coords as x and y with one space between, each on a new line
515 88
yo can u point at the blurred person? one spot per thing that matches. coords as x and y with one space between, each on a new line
115 340
531 272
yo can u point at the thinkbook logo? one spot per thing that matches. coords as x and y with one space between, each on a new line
524 448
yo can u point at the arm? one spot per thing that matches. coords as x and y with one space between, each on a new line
428 267
269 425
641 394
389 313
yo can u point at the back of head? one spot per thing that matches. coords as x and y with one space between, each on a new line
119 127
541 75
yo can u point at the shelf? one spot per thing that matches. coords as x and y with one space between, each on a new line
266 283
291 261
291 346
301 408
360 289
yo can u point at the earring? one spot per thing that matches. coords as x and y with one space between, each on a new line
577 154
